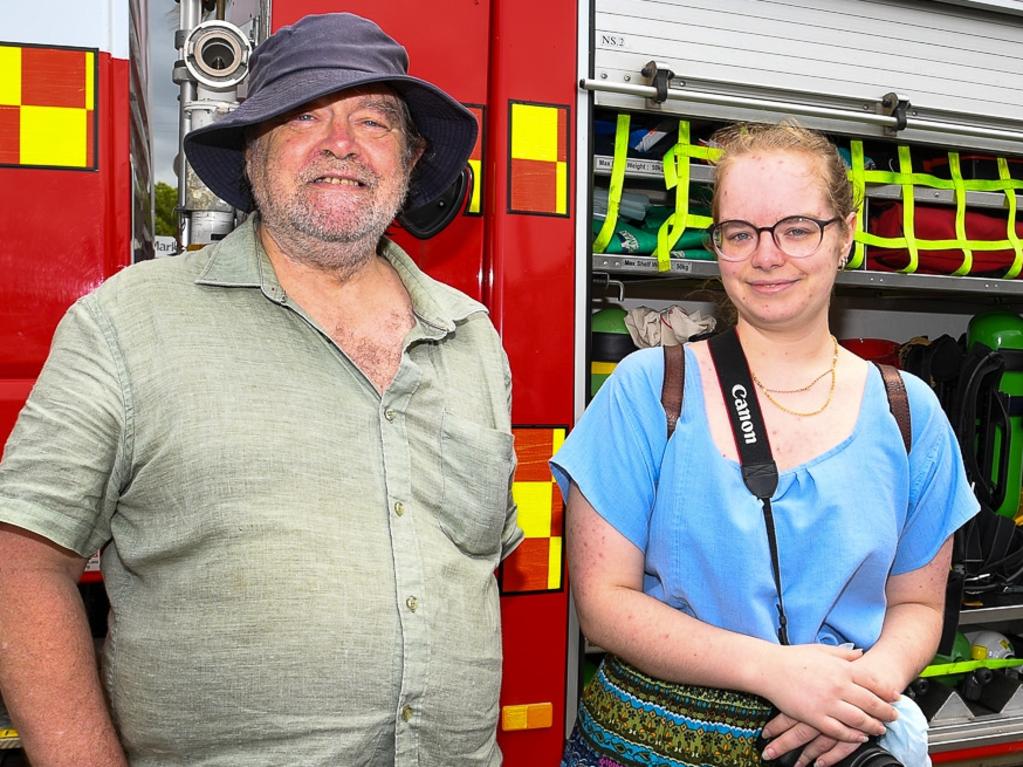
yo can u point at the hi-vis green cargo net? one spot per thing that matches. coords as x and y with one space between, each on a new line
614 192
676 165
677 177
909 180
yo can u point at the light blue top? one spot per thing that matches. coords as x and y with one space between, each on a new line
845 520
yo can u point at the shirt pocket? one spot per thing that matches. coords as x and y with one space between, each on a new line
476 465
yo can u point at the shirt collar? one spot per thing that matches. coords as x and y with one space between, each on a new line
435 303
239 261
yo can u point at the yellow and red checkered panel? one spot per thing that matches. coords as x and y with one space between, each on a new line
47 106
538 563
475 206
538 176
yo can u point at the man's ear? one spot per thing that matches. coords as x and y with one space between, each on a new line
250 140
417 153
850 230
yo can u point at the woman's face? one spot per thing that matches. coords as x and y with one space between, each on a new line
770 289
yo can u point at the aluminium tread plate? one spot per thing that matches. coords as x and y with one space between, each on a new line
985 730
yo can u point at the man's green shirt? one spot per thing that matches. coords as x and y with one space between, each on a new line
300 570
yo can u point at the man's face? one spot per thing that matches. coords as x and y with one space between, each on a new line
335 169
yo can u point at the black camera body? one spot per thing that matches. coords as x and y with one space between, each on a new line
868 754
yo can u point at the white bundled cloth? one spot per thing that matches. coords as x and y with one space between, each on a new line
906 737
668 327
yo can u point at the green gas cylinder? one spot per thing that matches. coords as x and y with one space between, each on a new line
610 342
1000 440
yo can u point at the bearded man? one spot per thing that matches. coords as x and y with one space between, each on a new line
293 448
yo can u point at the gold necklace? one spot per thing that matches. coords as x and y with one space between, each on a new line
831 389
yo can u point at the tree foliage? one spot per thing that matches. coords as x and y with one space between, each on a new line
166 200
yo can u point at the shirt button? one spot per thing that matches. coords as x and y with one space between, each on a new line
399 508
406 713
389 414
412 603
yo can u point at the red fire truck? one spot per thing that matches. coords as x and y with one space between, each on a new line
579 103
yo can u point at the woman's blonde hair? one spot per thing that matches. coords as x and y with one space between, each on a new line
786 136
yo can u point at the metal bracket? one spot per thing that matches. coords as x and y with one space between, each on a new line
658 78
602 282
896 106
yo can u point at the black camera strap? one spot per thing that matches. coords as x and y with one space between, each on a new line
759 471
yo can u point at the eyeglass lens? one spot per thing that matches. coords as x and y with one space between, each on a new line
795 236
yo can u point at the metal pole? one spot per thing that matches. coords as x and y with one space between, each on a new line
189 16
749 102
965 130
676 94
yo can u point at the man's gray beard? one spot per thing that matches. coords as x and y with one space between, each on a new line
320 242
311 240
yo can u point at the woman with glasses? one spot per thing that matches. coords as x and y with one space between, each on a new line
671 567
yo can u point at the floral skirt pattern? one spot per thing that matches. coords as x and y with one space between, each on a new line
629 719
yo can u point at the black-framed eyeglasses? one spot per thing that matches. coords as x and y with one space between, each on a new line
795 236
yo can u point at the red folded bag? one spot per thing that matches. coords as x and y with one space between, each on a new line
931 222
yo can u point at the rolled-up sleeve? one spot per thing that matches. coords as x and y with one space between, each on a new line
940 497
613 454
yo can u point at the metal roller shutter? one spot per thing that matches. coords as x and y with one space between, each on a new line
960 68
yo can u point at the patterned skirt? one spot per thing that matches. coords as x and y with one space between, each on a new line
628 719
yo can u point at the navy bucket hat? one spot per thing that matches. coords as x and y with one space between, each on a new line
317 56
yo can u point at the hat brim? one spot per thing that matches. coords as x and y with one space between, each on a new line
216 152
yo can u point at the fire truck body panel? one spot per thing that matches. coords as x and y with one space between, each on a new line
531 242
66 171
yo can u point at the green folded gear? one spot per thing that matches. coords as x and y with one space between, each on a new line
641 239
